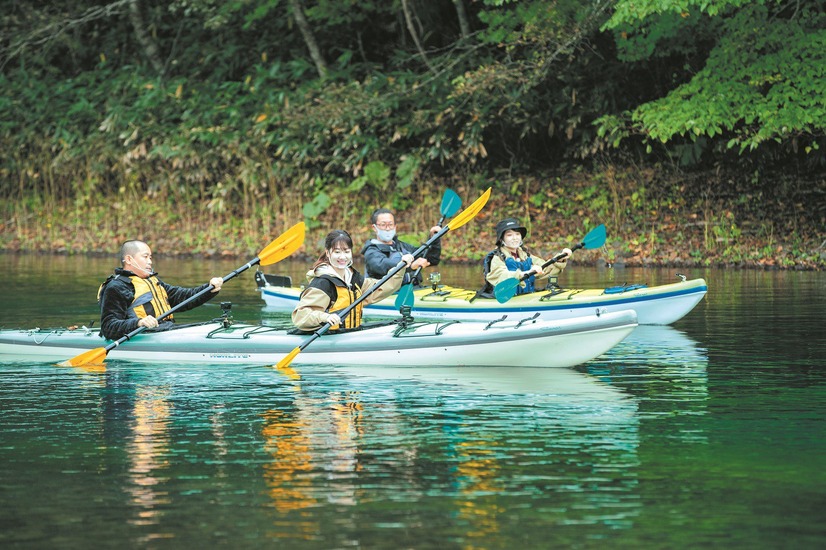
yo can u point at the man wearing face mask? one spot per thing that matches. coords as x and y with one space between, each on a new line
384 252
133 296
512 259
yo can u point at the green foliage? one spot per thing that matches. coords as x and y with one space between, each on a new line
671 34
238 122
376 174
407 171
632 11
761 82
313 209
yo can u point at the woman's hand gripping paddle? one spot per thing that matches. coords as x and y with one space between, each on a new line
451 203
289 241
505 290
467 214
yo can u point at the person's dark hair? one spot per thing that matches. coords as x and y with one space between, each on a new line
378 212
337 236
129 248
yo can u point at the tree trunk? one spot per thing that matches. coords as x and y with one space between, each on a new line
411 28
309 38
150 48
464 25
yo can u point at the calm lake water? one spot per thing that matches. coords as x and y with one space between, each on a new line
709 433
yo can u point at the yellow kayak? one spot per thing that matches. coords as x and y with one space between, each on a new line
654 305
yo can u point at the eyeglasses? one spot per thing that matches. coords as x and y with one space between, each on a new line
385 225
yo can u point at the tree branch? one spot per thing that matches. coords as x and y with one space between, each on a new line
461 13
55 29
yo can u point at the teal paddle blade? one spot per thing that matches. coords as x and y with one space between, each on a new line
451 203
505 290
405 296
595 237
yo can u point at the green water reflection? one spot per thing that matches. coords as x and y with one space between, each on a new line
708 433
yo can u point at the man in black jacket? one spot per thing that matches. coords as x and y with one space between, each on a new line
385 251
134 296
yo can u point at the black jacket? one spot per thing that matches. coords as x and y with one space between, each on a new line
379 258
117 318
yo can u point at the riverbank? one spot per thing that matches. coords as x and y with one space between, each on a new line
650 221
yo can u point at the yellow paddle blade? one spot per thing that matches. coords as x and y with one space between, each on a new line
93 356
289 372
470 212
92 368
285 362
289 241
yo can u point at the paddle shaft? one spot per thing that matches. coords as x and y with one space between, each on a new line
416 273
552 261
188 301
558 257
450 204
399 266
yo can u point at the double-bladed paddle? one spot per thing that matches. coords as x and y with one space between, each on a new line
505 290
287 243
467 214
451 203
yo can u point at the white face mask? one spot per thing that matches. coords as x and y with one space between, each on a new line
513 240
385 235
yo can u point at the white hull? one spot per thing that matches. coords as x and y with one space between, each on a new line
562 343
657 305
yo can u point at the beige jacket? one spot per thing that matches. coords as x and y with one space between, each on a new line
311 312
499 271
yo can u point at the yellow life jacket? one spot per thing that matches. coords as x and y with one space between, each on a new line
150 297
342 296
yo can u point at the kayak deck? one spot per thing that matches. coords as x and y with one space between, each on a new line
525 342
656 305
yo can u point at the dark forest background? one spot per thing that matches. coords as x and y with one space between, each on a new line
694 129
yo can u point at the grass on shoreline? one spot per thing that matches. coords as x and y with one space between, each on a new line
645 228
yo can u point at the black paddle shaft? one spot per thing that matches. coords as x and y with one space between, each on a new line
209 288
553 260
416 273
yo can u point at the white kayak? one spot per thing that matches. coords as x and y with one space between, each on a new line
654 305
513 342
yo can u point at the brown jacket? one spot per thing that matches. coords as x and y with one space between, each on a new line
499 271
311 312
